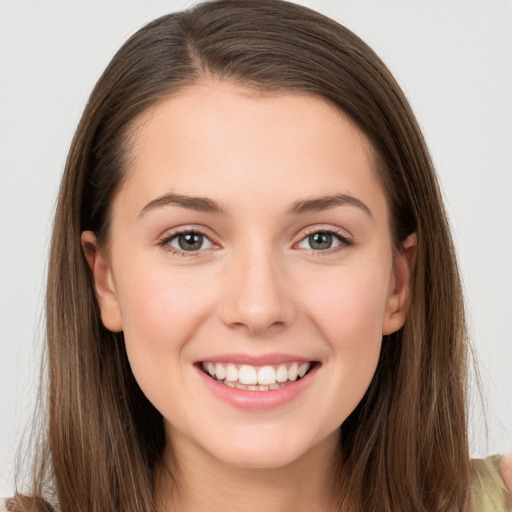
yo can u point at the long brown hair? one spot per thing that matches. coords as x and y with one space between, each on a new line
404 448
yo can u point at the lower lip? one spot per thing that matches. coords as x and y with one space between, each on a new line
245 399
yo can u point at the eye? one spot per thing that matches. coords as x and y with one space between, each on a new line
189 241
322 241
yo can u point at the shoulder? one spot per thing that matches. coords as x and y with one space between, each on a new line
490 492
506 470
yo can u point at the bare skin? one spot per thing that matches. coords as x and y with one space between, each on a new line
256 285
306 485
506 470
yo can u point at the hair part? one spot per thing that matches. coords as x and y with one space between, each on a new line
404 447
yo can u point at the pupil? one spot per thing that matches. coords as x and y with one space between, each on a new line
320 241
190 241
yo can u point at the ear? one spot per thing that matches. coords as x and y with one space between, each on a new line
397 304
103 282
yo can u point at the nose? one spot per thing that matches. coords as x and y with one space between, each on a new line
257 294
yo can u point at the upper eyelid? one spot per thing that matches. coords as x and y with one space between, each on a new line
342 233
164 241
169 234
342 240
304 232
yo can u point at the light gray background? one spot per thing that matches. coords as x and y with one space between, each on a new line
454 61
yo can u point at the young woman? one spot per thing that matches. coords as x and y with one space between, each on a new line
253 301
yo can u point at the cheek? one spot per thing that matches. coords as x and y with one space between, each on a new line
159 305
161 310
348 306
348 310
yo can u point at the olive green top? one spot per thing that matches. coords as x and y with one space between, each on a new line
489 492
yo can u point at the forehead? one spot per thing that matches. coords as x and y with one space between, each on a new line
241 146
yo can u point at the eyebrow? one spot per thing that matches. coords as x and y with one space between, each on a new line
206 205
200 204
316 204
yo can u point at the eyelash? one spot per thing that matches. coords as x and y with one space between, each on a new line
165 241
342 238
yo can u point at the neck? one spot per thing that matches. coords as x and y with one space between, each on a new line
205 483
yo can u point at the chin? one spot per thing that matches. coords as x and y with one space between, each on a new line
255 450
258 459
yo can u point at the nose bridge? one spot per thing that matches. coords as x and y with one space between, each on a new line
256 294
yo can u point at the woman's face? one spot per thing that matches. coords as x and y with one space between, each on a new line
250 243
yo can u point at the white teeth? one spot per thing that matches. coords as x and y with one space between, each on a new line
266 375
247 375
282 374
293 371
220 371
231 372
303 368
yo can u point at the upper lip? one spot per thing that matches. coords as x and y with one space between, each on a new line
256 359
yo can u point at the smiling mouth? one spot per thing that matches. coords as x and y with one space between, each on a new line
257 378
